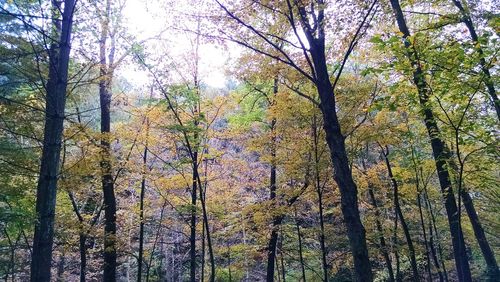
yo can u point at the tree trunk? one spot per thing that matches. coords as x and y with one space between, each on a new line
341 172
319 192
106 77
432 231
271 247
207 230
380 230
141 204
49 169
273 240
395 246
488 254
83 256
192 237
441 155
301 256
282 259
404 225
426 242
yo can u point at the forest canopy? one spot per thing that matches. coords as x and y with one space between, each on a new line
249 140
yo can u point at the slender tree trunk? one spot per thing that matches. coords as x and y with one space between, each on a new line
319 192
380 230
106 77
424 234
52 138
395 246
404 225
141 206
192 237
441 155
282 259
467 20
203 253
273 240
301 255
207 230
434 233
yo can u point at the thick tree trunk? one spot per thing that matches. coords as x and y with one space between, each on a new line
109 200
438 148
52 138
404 225
83 256
341 172
488 254
467 20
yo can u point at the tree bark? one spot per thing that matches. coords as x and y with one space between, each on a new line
271 247
301 255
52 138
342 172
105 82
404 225
83 256
433 230
192 237
380 230
319 192
441 155
141 206
488 254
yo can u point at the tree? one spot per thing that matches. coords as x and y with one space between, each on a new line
311 18
54 116
441 153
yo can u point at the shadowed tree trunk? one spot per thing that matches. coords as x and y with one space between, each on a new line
52 138
488 254
319 192
141 207
441 155
105 82
404 225
301 255
336 143
380 230
433 233
271 247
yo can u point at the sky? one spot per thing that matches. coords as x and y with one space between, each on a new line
146 19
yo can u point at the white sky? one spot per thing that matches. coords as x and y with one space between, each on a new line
146 19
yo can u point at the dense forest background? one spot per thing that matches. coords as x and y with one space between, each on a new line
352 140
